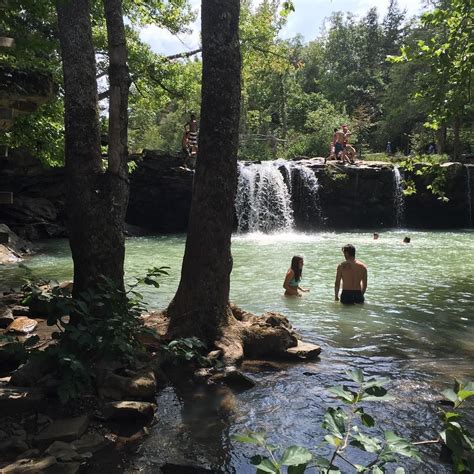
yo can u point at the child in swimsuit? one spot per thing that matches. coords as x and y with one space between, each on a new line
293 277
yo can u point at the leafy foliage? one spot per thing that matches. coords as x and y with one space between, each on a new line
106 325
345 428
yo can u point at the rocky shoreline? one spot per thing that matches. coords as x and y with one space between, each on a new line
40 434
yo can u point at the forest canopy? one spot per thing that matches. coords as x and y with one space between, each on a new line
391 78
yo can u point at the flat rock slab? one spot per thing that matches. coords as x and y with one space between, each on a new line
66 429
23 466
64 468
18 399
22 325
304 350
128 410
234 379
90 443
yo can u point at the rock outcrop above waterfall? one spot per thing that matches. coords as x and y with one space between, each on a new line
304 194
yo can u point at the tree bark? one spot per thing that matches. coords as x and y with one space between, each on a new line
95 201
201 304
441 139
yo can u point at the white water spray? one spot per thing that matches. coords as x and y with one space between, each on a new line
398 197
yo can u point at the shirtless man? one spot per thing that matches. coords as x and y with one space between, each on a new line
353 274
338 139
349 153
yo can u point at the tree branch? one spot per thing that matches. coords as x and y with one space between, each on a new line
183 55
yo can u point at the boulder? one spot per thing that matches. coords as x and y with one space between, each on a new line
234 379
303 350
6 316
63 452
90 443
268 336
26 466
139 385
30 373
128 410
66 429
22 325
17 400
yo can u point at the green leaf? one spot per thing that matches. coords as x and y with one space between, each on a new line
251 437
367 420
356 374
335 422
300 469
450 395
264 464
465 394
366 443
295 455
376 393
333 440
397 445
342 394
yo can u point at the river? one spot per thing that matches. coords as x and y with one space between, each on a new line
416 327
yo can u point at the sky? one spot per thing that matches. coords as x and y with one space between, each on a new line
307 20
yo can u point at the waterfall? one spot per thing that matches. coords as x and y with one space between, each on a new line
263 202
305 196
398 198
469 194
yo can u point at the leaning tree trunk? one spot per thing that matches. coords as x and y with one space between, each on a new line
441 139
96 200
201 304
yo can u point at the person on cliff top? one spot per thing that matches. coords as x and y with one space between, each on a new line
332 147
349 154
192 129
338 140
353 274
293 277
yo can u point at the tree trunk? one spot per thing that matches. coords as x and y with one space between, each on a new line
201 304
441 139
95 204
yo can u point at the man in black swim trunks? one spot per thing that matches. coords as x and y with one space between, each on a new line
353 274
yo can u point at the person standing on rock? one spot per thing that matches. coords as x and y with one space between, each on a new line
339 139
293 277
353 274
191 128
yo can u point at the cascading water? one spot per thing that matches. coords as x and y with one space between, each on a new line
305 196
398 198
263 202
469 193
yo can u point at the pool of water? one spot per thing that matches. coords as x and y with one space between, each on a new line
417 328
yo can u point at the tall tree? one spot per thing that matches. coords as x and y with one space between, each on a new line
201 304
96 199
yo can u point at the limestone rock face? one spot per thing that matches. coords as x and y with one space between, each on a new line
138 385
27 466
66 429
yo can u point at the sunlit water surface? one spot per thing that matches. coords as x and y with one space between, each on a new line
416 327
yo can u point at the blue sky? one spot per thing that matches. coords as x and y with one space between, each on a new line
307 20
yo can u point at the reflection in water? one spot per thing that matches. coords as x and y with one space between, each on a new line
417 328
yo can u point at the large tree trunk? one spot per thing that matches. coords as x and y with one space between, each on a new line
201 305
95 207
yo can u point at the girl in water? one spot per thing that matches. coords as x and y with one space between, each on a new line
293 277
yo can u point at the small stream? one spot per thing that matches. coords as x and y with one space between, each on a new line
417 328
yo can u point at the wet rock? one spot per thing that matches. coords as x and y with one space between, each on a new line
234 379
12 446
139 385
30 373
90 442
16 400
64 468
67 286
63 452
29 454
179 469
22 325
6 316
128 410
66 429
26 466
304 350
19 310
214 355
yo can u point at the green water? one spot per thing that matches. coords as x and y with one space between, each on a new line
417 327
